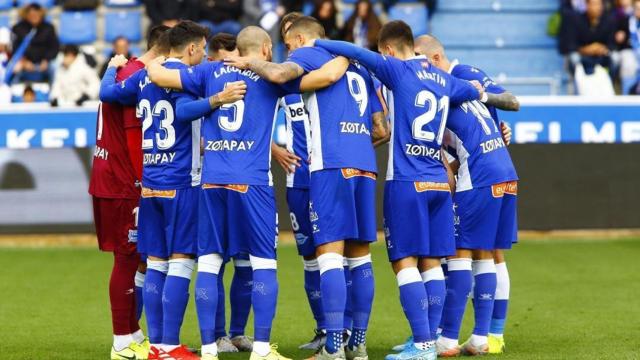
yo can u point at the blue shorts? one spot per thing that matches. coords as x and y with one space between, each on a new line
418 219
343 205
486 217
237 219
168 222
298 201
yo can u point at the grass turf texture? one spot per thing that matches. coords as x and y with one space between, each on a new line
570 300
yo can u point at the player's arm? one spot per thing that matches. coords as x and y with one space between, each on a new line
189 109
463 90
328 74
504 101
288 161
275 73
506 132
111 91
163 77
380 134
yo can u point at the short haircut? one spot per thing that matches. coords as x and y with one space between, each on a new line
251 39
289 18
396 33
155 34
185 33
118 38
428 45
222 41
307 25
70 50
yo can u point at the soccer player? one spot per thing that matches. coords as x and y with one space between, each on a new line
222 45
417 190
342 180
168 208
115 175
482 162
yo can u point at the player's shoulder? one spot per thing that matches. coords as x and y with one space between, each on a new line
467 72
131 67
311 54
173 63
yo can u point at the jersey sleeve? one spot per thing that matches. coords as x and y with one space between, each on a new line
461 91
123 92
290 87
471 73
304 57
194 79
189 108
374 102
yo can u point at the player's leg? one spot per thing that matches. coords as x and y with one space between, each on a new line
484 278
433 279
458 289
212 220
240 296
348 308
222 338
139 282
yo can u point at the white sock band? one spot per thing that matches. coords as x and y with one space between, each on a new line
181 267
460 264
355 262
209 349
311 265
503 284
258 263
241 263
161 266
139 279
408 275
483 267
330 261
210 263
433 274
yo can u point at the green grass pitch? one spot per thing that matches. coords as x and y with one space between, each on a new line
569 300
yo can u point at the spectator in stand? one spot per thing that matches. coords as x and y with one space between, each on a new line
325 12
120 47
169 12
432 5
28 94
75 81
221 46
221 15
634 42
363 26
5 54
35 63
591 39
626 21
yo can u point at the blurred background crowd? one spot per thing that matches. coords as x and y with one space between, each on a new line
55 50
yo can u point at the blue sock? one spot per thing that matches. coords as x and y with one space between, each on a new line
153 289
312 288
221 315
348 310
436 292
264 298
334 298
240 299
458 289
206 304
362 291
175 298
139 281
501 304
483 295
413 298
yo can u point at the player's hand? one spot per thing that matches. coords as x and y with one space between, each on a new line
287 160
117 61
233 92
476 84
239 62
506 133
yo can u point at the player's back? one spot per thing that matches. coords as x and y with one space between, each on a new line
469 73
298 138
171 148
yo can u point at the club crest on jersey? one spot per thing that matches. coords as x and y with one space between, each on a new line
133 236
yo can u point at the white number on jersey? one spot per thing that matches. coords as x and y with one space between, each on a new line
427 98
482 114
234 124
358 90
163 107
100 123
294 222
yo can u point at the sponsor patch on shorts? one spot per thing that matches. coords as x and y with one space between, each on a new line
512 188
498 190
151 193
422 186
349 173
234 187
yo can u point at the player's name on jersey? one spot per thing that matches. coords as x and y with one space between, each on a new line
435 77
229 69
143 84
229 145
101 153
160 158
422 150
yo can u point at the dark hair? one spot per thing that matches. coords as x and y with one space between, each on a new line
70 50
155 34
33 6
396 32
118 38
372 21
289 18
28 88
308 25
186 32
222 41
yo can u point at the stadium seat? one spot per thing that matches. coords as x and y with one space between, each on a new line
498 5
125 23
414 14
504 30
6 4
77 27
4 20
533 62
121 3
43 3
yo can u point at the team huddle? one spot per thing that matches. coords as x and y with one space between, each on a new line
449 197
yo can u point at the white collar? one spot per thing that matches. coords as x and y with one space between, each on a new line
417 57
172 59
453 64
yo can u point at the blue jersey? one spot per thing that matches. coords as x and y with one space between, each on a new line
467 72
298 138
237 136
476 141
340 115
171 149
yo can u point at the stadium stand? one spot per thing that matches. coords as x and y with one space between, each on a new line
413 13
78 27
127 23
6 4
44 3
121 3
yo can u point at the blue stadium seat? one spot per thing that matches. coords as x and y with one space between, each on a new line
504 30
498 5
43 3
4 20
532 62
6 4
414 14
121 3
77 27
125 23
